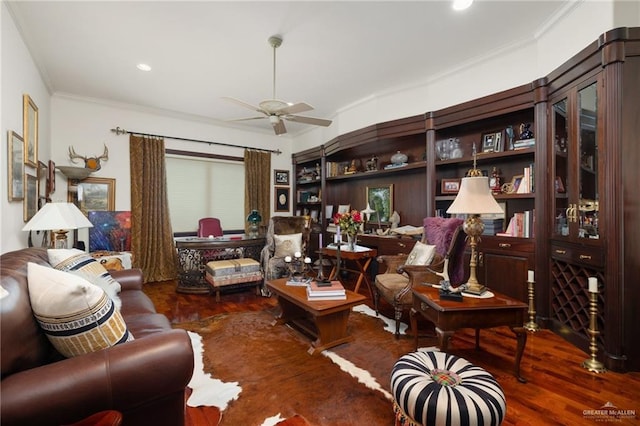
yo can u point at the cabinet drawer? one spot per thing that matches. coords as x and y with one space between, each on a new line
583 255
507 244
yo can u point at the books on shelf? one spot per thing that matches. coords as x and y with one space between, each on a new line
521 224
334 291
493 226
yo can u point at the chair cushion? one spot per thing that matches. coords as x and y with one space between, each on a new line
287 245
77 316
421 254
389 285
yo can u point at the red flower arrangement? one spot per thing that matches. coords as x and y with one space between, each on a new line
348 222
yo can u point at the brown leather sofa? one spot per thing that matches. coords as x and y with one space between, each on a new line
144 379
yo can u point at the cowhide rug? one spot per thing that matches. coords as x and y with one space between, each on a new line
263 374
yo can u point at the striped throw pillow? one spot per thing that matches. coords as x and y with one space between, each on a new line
76 316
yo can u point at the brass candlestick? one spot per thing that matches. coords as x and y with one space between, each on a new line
592 364
531 325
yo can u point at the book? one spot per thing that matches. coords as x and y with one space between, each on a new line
335 289
326 297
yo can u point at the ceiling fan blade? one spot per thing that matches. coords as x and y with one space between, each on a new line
308 120
279 127
295 108
248 118
243 104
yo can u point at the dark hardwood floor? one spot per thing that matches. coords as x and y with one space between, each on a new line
559 391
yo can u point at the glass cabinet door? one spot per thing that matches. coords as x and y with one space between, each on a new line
560 136
588 163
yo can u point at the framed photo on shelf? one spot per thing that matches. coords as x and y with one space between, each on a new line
344 208
515 183
30 202
94 193
492 142
450 186
15 166
30 130
380 199
281 199
281 177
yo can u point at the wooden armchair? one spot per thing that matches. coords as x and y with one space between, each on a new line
274 251
395 284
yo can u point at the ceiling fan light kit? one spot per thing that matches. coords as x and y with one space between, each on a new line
276 110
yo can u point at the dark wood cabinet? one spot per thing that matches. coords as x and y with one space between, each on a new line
584 161
594 225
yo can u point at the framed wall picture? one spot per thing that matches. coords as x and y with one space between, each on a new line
281 199
51 179
15 166
94 193
380 199
450 186
30 202
281 177
30 130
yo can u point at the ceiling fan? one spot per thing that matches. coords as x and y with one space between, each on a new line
277 111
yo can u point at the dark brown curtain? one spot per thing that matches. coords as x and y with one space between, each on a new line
151 233
257 172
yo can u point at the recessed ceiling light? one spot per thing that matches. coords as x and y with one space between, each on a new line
461 4
143 67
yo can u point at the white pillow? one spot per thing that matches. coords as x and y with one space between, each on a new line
421 254
287 245
82 264
76 316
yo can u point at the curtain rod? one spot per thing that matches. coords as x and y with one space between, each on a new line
120 131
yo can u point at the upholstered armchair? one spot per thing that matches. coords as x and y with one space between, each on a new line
443 236
285 236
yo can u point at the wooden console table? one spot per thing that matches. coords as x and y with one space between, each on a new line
194 253
449 316
361 258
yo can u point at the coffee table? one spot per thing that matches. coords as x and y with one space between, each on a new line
325 320
449 316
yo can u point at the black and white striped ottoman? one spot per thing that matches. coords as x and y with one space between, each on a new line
436 388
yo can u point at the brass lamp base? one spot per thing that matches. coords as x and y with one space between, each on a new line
474 227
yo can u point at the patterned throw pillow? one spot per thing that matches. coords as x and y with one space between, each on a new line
421 254
82 264
76 316
287 245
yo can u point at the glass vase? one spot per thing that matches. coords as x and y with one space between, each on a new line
352 241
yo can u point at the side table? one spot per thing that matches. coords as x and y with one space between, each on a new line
361 258
449 316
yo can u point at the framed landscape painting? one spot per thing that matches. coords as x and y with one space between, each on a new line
15 165
380 199
30 130
94 193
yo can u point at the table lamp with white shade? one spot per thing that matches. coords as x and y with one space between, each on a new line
474 199
59 218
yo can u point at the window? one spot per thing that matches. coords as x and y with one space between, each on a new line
204 187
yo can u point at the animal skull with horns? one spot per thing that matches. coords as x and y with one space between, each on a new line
92 163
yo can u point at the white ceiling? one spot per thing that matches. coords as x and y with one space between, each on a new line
333 54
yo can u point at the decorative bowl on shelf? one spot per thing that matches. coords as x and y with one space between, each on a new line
399 158
75 173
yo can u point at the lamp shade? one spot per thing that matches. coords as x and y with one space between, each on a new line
54 216
474 197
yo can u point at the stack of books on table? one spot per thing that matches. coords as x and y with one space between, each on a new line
334 291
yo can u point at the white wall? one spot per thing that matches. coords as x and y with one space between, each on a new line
19 76
85 124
